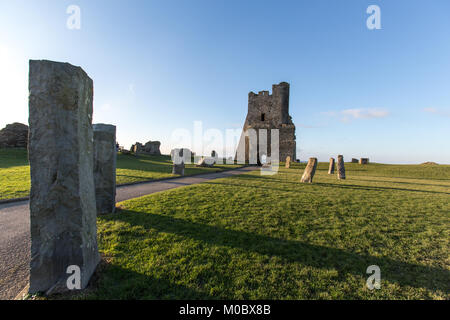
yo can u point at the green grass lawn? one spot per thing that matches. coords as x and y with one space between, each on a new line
271 237
15 171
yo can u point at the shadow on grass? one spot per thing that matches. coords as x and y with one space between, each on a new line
405 274
119 283
374 188
335 185
402 182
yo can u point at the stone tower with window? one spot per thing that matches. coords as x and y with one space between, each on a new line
270 111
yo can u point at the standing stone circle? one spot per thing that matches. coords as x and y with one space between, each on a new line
105 156
340 167
62 198
332 165
310 170
288 162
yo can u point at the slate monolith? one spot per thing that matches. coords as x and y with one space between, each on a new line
331 167
105 156
310 170
340 167
62 198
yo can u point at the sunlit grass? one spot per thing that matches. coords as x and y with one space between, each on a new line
271 237
15 171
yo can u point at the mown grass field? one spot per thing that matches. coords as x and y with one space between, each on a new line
15 171
271 237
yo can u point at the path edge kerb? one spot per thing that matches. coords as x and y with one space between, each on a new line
13 200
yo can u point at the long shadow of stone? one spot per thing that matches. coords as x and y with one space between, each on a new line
335 185
117 283
403 273
374 188
403 182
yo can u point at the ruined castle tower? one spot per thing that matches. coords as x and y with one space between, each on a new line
267 111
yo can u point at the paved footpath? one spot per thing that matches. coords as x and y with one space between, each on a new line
15 227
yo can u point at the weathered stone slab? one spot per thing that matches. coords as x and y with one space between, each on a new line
364 161
105 157
178 161
288 162
310 170
62 199
332 165
354 160
340 167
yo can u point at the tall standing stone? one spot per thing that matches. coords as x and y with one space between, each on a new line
332 165
105 156
340 167
62 199
310 170
288 162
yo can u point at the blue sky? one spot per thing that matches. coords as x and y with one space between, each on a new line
159 66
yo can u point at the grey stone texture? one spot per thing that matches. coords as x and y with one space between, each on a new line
288 162
178 158
364 161
310 170
14 135
270 111
332 166
62 199
354 160
150 148
340 167
105 159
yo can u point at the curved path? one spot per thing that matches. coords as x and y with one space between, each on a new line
15 227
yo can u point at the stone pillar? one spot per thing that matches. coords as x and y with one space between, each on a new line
105 156
354 160
340 167
62 198
288 162
178 162
331 168
310 170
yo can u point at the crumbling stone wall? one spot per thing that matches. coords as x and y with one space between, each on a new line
270 111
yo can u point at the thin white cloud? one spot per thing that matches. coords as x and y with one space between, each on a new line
436 111
348 115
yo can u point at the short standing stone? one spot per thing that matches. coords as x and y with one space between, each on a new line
332 165
62 198
354 160
310 170
178 162
364 161
340 167
205 162
105 167
288 162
